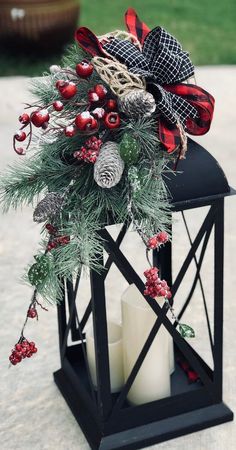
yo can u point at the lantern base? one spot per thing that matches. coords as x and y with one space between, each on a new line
144 435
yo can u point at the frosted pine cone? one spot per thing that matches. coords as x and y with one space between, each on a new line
109 166
49 207
137 103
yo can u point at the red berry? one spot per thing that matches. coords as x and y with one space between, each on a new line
58 105
68 90
18 347
112 120
192 376
152 243
38 118
163 292
84 69
24 118
60 84
94 124
63 239
77 154
20 136
19 151
32 313
23 352
51 245
13 361
111 104
69 131
92 96
100 90
51 229
162 237
98 113
84 120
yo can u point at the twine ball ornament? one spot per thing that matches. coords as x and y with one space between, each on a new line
117 76
109 166
49 207
137 102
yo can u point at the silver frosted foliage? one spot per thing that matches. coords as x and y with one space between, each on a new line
109 166
48 207
137 102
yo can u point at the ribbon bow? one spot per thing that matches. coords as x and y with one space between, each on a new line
165 66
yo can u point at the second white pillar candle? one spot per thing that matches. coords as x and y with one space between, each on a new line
153 379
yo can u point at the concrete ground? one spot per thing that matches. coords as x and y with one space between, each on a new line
33 413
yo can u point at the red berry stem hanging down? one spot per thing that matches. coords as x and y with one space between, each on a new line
24 348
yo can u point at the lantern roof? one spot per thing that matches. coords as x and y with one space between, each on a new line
198 180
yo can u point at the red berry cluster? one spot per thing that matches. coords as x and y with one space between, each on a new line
23 349
158 239
90 151
55 240
155 287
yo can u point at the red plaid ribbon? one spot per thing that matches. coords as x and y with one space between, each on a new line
139 29
89 42
204 104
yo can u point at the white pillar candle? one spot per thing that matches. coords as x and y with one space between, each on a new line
115 356
153 379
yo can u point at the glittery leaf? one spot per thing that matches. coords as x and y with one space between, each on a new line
129 149
186 331
38 272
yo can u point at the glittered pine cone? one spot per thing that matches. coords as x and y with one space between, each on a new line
137 103
49 207
109 166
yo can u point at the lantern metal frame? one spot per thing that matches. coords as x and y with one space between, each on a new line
106 419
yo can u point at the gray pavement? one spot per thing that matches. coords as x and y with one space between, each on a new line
33 413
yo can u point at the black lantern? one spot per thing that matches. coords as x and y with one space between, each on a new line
108 420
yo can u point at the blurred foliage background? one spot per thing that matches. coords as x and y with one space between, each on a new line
206 29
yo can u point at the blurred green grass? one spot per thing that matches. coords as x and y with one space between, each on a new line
206 28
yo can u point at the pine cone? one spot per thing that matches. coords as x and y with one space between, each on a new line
109 166
49 207
137 103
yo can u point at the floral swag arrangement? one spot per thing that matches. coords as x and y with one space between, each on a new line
112 121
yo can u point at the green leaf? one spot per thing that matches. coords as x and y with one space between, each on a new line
186 331
129 149
39 271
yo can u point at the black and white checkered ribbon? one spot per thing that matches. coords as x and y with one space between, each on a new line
161 62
